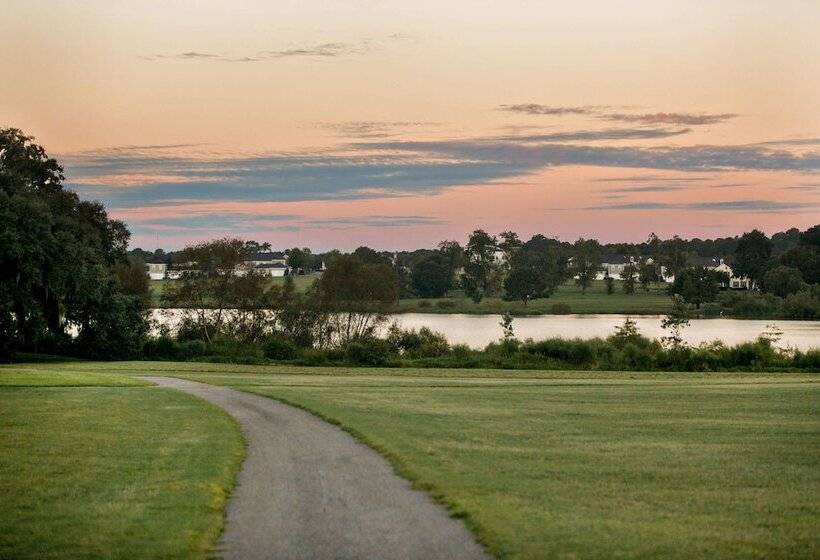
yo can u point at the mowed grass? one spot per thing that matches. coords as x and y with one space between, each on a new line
94 465
302 283
656 301
591 466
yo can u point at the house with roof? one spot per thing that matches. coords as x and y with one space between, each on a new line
270 263
613 265
156 270
719 265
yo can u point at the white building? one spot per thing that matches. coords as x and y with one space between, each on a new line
156 271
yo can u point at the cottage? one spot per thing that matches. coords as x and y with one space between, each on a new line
719 265
156 270
613 266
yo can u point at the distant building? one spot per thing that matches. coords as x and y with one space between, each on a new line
270 263
613 266
719 265
156 270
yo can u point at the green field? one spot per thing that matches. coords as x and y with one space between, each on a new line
301 283
94 465
574 464
653 302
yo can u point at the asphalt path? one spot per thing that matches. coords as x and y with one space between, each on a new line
308 490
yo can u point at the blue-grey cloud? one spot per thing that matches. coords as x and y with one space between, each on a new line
538 109
766 206
141 177
374 129
595 135
688 119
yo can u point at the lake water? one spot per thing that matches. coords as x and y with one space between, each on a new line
479 330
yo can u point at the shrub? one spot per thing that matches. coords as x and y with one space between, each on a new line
560 309
445 304
424 303
279 347
802 305
711 309
368 352
575 352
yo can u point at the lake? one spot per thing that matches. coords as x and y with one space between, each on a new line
479 330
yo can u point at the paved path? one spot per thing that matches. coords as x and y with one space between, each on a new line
309 490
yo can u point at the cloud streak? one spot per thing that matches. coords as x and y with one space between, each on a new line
765 206
684 119
316 50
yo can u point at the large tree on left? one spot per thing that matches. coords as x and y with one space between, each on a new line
59 263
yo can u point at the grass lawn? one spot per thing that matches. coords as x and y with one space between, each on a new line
300 282
654 302
581 465
553 464
94 465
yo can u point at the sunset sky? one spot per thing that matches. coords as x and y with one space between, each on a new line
399 124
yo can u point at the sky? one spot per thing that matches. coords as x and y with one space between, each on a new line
398 124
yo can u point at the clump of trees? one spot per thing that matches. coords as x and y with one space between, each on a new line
66 284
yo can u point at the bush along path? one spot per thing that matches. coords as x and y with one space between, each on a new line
309 490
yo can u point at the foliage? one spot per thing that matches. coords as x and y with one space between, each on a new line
628 276
355 296
423 343
782 281
507 326
698 285
675 322
217 295
751 258
480 266
536 270
58 257
586 262
610 284
432 276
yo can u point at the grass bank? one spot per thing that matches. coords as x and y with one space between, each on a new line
95 465
580 464
568 299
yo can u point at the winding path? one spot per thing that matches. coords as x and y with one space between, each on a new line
308 490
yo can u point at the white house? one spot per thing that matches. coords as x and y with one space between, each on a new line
719 265
156 270
613 266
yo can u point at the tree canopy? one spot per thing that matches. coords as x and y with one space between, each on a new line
58 256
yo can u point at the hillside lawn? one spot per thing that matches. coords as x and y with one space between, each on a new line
539 464
655 301
94 465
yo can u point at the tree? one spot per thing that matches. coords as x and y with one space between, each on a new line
57 260
215 299
479 264
509 245
782 281
300 259
751 259
698 285
432 276
674 255
806 255
586 262
675 321
628 276
536 270
647 273
356 297
610 284
368 255
454 252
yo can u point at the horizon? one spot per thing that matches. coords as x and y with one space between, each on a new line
396 126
